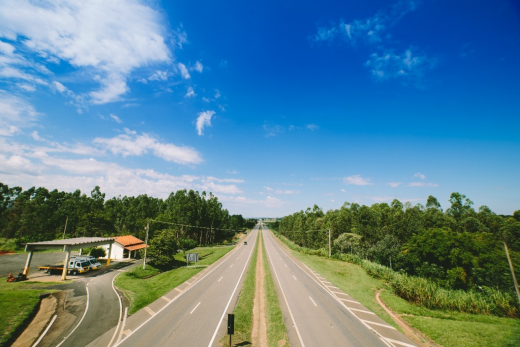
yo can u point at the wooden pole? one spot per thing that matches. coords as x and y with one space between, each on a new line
329 245
512 272
65 229
146 243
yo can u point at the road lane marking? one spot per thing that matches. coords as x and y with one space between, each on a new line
285 265
355 302
379 324
195 308
178 289
165 298
359 310
399 342
149 310
220 278
123 326
46 330
81 320
231 266
294 277
313 302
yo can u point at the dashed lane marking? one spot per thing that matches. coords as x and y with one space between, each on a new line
359 310
379 324
149 310
165 298
398 342
178 289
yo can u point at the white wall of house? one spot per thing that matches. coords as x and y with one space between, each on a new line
117 251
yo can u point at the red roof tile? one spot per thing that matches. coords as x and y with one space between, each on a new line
128 240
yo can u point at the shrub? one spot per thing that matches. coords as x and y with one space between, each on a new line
98 252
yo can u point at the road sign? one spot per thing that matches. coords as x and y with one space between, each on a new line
192 257
230 324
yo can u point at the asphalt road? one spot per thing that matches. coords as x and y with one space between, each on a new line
314 307
15 262
198 317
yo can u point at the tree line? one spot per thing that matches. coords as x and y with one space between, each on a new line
37 214
459 248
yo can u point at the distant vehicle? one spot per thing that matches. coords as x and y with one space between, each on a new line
94 263
245 243
75 267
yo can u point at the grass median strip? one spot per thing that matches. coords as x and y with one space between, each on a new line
447 328
142 287
276 330
18 302
244 308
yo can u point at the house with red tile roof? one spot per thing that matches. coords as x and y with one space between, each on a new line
125 247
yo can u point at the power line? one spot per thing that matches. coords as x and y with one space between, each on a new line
187 225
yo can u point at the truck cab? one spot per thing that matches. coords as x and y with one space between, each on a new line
93 262
77 266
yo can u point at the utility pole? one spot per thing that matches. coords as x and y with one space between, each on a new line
329 244
65 227
146 243
512 272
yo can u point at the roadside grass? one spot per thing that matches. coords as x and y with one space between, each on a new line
276 330
444 327
18 301
141 291
244 308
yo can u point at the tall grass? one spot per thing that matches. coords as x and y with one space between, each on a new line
426 293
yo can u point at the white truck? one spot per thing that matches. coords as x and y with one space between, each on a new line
94 263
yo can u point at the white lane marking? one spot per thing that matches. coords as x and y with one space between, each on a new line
195 308
178 289
338 300
284 297
313 302
354 301
359 310
165 298
231 266
231 297
399 342
120 309
341 293
149 310
123 327
285 265
45 332
379 324
81 320
220 278
294 277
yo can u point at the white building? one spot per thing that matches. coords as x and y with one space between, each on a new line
125 247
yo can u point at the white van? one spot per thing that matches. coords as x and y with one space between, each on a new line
77 266
93 263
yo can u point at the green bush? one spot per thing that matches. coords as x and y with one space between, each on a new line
98 252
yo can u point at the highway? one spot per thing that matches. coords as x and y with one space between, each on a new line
317 313
198 316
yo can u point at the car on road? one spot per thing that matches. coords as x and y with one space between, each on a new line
245 243
94 263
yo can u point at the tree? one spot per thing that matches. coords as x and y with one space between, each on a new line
187 244
98 252
163 248
347 242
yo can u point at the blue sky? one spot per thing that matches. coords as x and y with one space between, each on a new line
272 107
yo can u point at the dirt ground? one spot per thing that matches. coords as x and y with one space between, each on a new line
259 333
38 324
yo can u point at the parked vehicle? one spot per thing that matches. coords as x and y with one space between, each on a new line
94 263
75 267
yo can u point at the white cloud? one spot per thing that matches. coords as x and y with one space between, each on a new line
159 76
16 164
232 172
286 191
408 65
184 71
272 129
198 67
15 113
116 118
36 137
136 145
357 180
204 119
58 86
217 94
190 93
420 175
268 188
394 184
312 127
422 184
110 39
343 190
26 87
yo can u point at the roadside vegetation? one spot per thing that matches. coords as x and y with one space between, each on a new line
18 302
142 287
444 326
276 330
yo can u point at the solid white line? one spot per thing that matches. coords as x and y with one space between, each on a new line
359 310
45 332
283 294
81 320
231 297
120 309
399 342
220 278
313 301
226 257
123 326
195 308
381 325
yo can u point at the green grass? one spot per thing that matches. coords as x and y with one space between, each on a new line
276 330
244 308
446 328
143 291
18 300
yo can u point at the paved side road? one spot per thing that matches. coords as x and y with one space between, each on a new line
16 262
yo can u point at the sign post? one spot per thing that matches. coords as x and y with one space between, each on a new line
230 326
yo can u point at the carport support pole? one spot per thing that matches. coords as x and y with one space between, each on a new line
109 254
27 263
65 264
